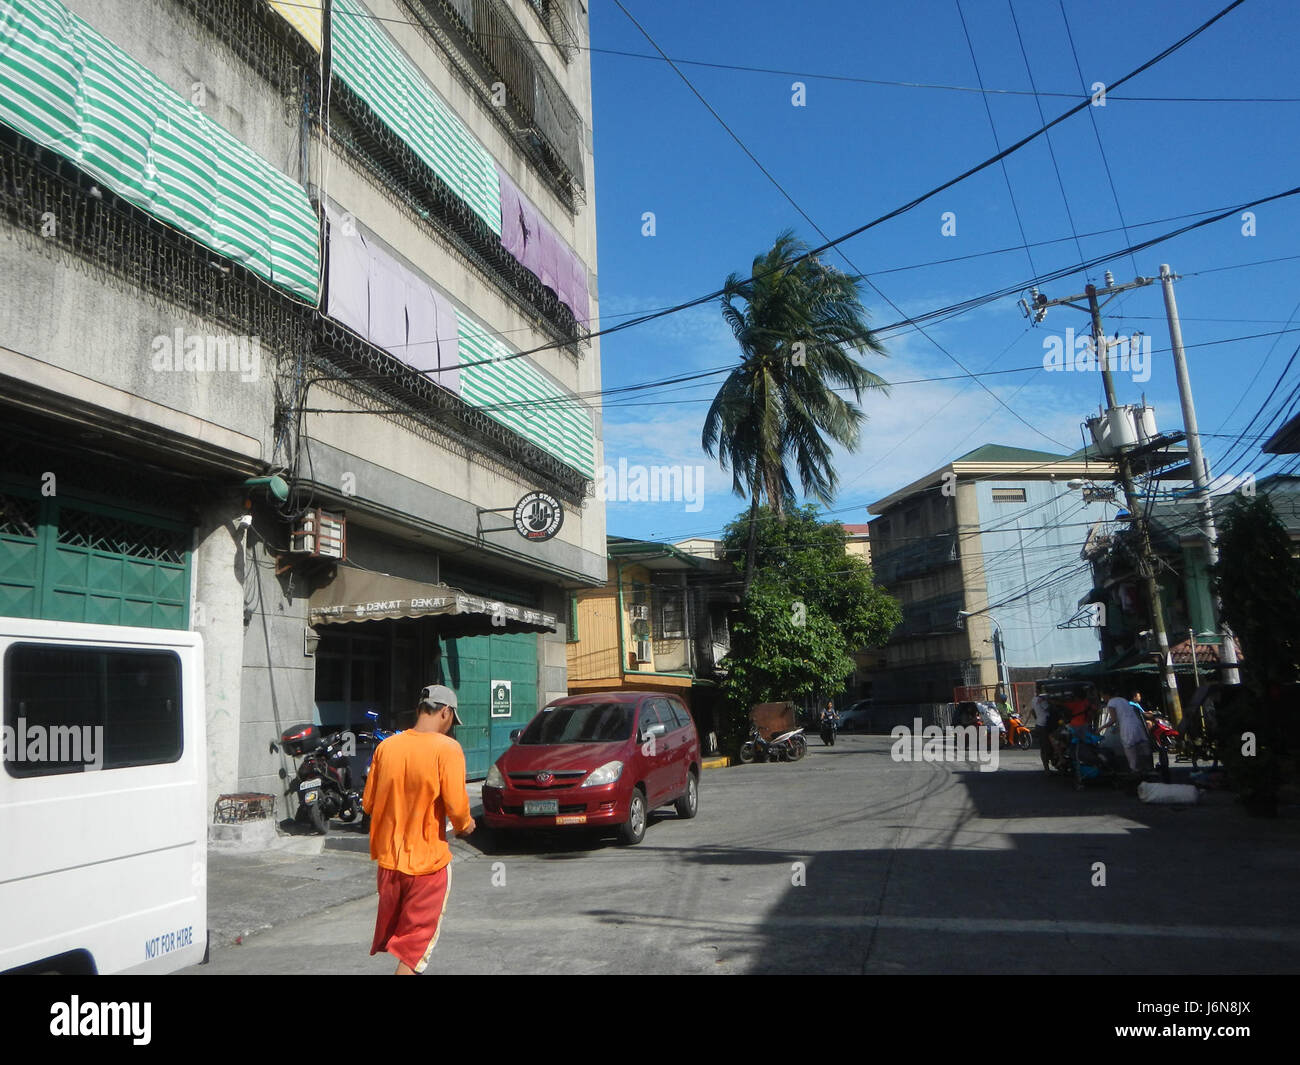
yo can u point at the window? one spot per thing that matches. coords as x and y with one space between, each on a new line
1008 495
69 709
671 613
679 712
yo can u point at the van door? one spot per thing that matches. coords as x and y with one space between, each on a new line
103 796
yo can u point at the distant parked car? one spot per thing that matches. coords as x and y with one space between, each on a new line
857 718
601 760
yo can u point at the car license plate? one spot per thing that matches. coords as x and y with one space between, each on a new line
572 819
541 807
313 783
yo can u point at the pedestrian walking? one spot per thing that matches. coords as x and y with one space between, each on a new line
416 783
1133 735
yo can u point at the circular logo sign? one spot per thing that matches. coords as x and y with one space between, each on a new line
545 777
538 516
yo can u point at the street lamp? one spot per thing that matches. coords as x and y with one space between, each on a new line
1004 675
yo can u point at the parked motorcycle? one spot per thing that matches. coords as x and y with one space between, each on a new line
755 749
323 782
1164 737
378 734
789 746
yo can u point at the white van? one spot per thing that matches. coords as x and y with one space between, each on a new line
103 799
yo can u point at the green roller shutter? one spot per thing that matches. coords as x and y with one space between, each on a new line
69 89
371 64
67 561
518 395
469 666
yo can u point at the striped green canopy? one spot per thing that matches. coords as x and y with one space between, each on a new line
69 89
519 396
375 68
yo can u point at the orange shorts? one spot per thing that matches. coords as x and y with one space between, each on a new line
410 914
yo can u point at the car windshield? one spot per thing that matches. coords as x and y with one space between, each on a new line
580 723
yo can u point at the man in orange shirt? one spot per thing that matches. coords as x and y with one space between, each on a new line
416 782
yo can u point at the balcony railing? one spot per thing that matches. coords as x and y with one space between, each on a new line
557 17
494 55
916 558
930 617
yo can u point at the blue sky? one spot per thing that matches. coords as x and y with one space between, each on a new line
856 150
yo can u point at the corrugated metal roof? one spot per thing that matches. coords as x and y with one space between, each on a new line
1004 453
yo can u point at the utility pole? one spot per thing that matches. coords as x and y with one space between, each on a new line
1200 475
1173 704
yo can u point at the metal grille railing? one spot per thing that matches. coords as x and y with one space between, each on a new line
496 58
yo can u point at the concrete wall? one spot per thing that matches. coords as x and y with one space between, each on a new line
81 320
277 684
1037 543
166 38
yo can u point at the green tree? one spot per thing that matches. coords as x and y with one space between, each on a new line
809 608
800 326
1258 582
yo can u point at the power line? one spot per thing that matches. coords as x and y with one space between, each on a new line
818 76
829 242
988 111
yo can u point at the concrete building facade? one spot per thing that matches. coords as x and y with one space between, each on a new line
279 263
996 533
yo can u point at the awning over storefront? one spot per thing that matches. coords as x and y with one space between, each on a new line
362 595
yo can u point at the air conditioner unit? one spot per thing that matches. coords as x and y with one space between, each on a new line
320 534
643 653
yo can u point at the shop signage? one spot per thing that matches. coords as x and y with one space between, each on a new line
501 698
538 516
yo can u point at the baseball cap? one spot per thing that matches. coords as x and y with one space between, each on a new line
439 695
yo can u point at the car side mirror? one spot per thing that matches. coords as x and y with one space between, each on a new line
653 730
514 735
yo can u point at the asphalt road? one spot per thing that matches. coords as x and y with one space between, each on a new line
851 862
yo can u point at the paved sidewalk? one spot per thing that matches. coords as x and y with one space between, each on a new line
297 877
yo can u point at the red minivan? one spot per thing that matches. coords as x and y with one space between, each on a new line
604 759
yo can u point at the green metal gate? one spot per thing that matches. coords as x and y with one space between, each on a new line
469 665
78 561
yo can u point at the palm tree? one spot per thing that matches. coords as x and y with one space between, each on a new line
800 325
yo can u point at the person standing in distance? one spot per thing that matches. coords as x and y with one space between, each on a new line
416 783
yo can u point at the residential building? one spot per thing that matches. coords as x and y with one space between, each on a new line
996 533
278 262
658 624
857 542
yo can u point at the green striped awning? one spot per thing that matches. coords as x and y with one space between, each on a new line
520 397
371 64
69 89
